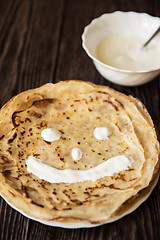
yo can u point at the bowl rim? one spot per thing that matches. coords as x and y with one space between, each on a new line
86 29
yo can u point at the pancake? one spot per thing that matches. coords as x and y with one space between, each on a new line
76 109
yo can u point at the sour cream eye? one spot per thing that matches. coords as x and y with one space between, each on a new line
50 134
101 133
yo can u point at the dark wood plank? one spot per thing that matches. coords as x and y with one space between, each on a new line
12 224
28 45
29 39
40 42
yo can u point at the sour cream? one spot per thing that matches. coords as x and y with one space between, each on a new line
101 133
76 154
54 175
50 134
125 52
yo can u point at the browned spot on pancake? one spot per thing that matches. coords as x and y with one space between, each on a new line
43 124
43 185
24 190
68 193
36 155
110 102
88 188
113 187
37 204
12 139
86 192
6 173
54 208
5 159
118 126
102 92
43 103
12 193
75 201
2 137
27 120
54 192
122 177
119 103
49 143
9 150
67 208
20 154
27 143
14 119
131 169
22 133
37 115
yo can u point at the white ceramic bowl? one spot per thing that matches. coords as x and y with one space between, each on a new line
140 24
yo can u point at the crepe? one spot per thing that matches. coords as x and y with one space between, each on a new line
76 108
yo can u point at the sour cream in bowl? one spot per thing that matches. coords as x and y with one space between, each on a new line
114 42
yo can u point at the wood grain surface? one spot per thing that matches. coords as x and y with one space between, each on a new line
40 42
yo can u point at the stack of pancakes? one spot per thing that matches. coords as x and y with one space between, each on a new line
76 108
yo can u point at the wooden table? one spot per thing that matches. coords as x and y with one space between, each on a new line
40 42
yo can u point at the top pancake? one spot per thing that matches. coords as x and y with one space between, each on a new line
76 108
